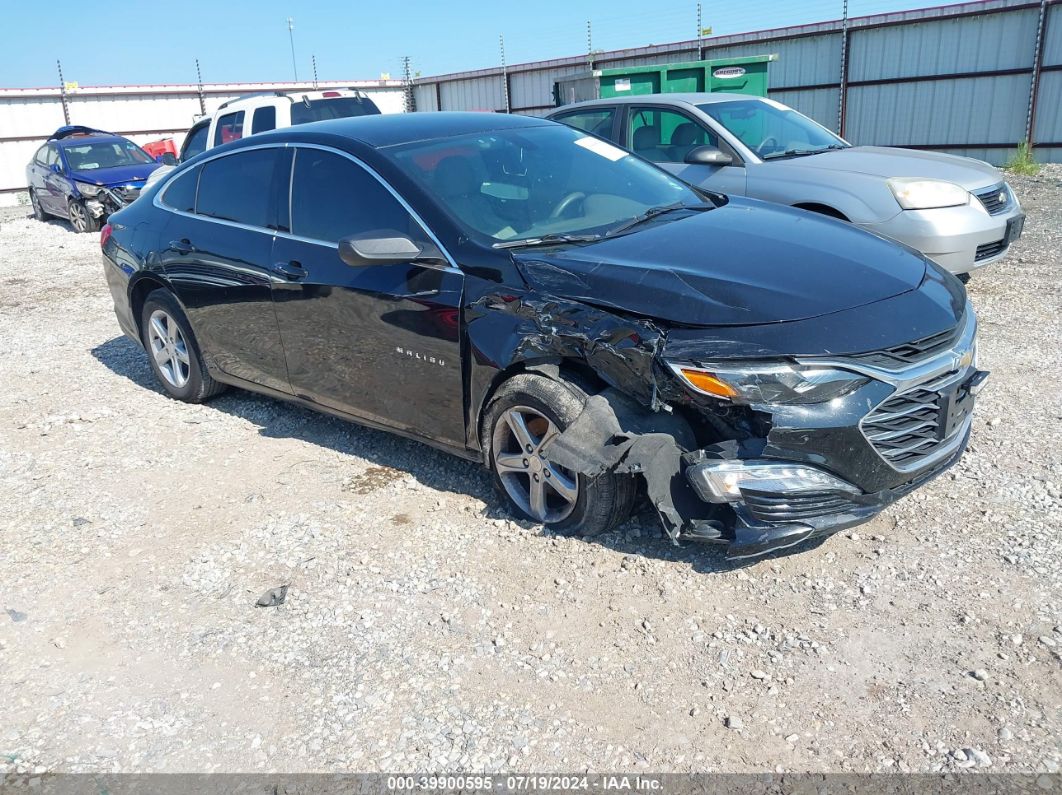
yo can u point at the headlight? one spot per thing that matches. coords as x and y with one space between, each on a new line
87 188
781 383
723 481
925 194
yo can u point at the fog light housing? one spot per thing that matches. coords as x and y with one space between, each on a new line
722 481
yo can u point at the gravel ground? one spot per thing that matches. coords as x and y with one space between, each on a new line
425 630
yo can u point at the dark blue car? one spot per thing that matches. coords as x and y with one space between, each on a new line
85 175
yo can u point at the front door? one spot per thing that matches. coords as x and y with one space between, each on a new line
665 136
56 185
217 253
378 341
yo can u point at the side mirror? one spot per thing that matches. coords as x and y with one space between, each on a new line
168 159
708 156
56 168
360 251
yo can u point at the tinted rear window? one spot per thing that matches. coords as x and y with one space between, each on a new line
265 119
238 187
180 193
331 108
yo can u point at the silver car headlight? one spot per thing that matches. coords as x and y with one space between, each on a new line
925 194
87 188
776 383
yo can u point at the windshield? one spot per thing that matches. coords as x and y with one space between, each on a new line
536 182
306 111
770 129
108 154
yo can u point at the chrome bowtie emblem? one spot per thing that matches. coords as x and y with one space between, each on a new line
1002 197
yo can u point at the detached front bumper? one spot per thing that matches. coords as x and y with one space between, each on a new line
960 239
769 520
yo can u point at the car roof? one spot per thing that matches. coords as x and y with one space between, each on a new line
689 98
400 128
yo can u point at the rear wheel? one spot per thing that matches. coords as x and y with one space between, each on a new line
81 219
38 210
173 352
528 411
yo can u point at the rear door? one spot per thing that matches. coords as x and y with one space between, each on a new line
666 135
379 341
218 244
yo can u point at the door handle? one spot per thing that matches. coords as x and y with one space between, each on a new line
183 246
292 271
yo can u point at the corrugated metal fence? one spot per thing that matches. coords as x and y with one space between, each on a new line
963 78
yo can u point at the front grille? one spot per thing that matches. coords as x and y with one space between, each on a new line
910 352
907 428
770 507
995 199
987 250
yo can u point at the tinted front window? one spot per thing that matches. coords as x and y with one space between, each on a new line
265 119
238 187
769 128
666 136
533 181
180 193
305 111
229 128
195 142
333 197
598 122
106 154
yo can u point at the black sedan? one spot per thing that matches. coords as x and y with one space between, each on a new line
522 294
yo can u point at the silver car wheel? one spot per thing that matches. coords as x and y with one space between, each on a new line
78 216
38 211
169 349
539 487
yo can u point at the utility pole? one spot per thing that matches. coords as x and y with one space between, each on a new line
199 88
505 73
407 80
700 33
1034 86
291 40
589 47
842 94
314 59
62 92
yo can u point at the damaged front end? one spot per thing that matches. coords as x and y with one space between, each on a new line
103 200
759 454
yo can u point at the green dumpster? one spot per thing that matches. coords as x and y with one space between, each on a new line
747 75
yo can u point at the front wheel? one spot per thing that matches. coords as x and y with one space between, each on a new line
81 219
526 413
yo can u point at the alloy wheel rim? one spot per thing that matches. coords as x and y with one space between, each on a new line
77 217
543 490
36 203
169 348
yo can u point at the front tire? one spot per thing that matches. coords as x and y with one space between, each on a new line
525 413
81 219
173 351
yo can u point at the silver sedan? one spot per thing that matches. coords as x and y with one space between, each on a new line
958 211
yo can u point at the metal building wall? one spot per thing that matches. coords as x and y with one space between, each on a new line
951 78
142 113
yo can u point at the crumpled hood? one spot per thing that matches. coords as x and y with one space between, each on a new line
746 263
886 161
119 175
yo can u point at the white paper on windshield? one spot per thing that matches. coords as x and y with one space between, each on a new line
599 147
